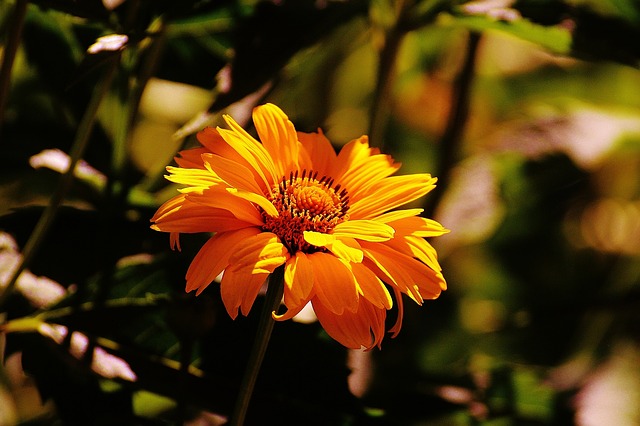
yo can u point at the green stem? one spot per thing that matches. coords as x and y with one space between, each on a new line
77 150
265 327
10 50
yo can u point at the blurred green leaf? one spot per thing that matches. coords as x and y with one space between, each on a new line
555 39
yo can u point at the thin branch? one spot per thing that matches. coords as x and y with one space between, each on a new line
64 184
10 50
452 136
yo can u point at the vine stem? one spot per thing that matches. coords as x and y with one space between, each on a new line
265 327
64 184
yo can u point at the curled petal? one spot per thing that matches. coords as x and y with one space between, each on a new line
363 328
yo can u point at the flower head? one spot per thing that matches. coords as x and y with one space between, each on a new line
328 218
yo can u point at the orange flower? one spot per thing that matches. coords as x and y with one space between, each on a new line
291 200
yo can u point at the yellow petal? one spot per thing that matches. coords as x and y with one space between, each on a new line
358 167
412 277
419 248
390 193
318 239
199 178
278 137
397 214
234 174
213 257
366 230
251 150
418 226
333 283
345 248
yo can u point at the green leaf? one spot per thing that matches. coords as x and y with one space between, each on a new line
555 39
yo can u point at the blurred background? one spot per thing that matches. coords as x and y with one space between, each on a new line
528 111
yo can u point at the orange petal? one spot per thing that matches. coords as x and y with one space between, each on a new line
370 286
333 282
239 289
260 253
278 135
320 152
366 230
191 158
211 139
215 144
220 198
180 215
213 257
298 278
355 330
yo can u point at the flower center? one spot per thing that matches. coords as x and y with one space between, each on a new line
305 203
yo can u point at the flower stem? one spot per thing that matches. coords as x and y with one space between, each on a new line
265 327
